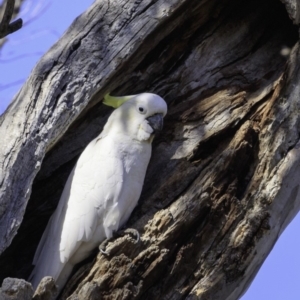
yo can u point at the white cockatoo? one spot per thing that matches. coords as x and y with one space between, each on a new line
102 189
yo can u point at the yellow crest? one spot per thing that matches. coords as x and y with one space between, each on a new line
115 102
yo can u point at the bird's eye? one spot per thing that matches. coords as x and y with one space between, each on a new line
142 110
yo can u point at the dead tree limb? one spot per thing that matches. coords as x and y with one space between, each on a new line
7 27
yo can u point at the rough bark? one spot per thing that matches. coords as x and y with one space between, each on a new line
16 289
222 182
46 290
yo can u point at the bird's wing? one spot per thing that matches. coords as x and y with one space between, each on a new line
94 190
90 193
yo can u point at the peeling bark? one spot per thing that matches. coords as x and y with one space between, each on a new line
222 182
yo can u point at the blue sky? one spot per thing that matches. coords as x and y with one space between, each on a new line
44 23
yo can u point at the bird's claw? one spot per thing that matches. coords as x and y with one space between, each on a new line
134 232
103 252
103 246
130 231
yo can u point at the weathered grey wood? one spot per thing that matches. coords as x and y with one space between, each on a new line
222 183
15 289
293 9
46 290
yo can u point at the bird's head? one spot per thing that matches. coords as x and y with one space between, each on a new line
139 116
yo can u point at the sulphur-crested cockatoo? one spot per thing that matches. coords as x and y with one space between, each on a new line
103 188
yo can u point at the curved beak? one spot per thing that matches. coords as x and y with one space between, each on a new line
156 122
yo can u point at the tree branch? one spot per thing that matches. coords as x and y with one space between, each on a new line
6 27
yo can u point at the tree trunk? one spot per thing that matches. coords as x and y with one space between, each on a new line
222 181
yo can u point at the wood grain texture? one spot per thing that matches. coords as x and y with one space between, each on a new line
222 182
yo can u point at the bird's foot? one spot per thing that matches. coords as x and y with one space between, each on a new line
129 231
103 246
103 252
133 232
